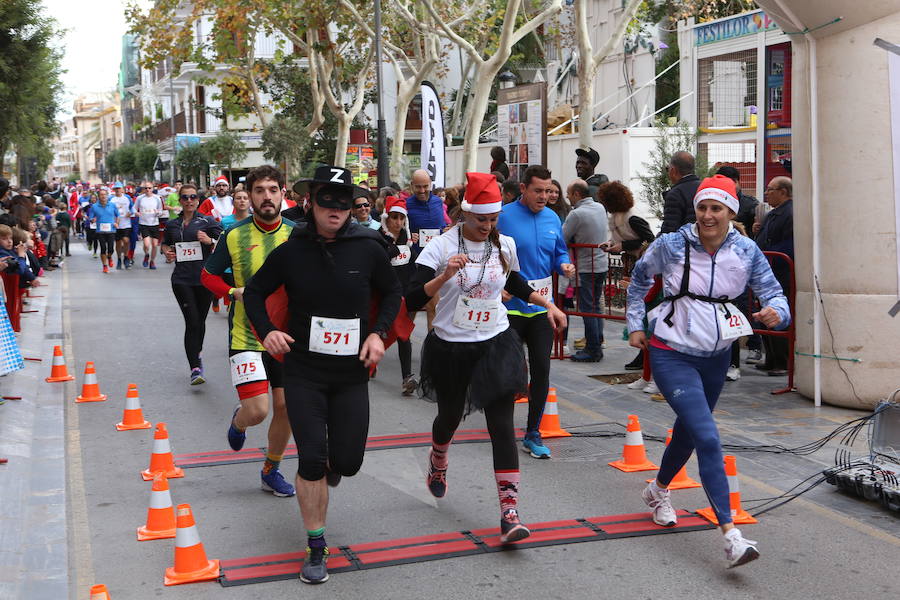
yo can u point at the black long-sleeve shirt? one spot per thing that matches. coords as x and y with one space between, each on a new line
325 279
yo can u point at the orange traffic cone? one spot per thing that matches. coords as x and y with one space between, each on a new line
133 417
550 427
738 514
681 480
190 558
161 514
634 457
98 592
161 460
58 370
90 389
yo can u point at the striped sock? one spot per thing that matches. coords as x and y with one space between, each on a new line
439 455
272 462
507 488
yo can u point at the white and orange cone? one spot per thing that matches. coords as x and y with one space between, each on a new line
634 456
90 389
58 370
161 460
98 592
550 427
191 563
681 481
738 514
161 514
133 417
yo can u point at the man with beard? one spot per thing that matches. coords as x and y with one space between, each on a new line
220 205
244 249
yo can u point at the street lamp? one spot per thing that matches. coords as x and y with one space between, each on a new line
383 174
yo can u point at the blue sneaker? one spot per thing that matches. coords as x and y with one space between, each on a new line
274 482
534 445
197 376
236 438
315 568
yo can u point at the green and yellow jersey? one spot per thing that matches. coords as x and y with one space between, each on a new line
244 249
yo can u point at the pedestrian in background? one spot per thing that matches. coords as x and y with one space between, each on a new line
678 207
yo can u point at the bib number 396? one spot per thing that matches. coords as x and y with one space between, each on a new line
247 367
339 337
476 313
732 322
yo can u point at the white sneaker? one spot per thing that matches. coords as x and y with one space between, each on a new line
733 374
565 349
651 388
738 550
661 503
638 384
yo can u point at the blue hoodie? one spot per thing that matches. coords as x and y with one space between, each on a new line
424 215
540 247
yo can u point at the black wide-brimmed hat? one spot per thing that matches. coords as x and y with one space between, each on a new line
334 176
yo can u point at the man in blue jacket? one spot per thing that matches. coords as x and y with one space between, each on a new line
427 219
541 250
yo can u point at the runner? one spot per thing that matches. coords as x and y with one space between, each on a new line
104 215
473 359
330 343
220 205
89 227
690 340
241 206
123 225
173 204
148 207
541 249
427 218
189 241
244 249
396 233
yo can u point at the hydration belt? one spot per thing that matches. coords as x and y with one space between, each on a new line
684 292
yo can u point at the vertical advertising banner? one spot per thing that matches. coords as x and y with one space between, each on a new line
432 135
522 126
894 87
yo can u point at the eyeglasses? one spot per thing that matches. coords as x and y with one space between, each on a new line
143 187
189 196
363 205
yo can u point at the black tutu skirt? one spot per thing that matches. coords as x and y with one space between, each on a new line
479 372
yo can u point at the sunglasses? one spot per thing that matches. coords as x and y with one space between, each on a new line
189 196
363 205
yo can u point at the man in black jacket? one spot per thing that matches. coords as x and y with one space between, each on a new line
747 211
776 234
585 165
678 202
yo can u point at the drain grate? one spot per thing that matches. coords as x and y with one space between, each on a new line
584 449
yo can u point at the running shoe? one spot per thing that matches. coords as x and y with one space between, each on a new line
409 385
585 356
236 438
152 265
739 550
197 376
637 364
146 261
511 529
215 306
733 374
94 255
661 502
534 446
754 356
638 384
128 262
436 480
109 260
275 482
314 568
105 269
651 388
119 265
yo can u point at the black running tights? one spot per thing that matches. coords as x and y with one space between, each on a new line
194 301
537 334
499 417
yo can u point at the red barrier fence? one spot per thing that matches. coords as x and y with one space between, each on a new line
13 300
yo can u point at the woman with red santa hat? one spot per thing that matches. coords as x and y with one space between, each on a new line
472 360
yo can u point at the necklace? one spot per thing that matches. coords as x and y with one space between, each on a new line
486 256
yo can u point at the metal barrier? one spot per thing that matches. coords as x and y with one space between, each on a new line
614 298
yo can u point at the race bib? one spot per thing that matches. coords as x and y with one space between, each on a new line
476 313
544 287
247 367
338 337
188 251
732 322
402 258
105 227
426 235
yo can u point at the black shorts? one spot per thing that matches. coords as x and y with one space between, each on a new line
274 370
122 234
150 231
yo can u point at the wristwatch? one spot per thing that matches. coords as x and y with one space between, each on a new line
382 334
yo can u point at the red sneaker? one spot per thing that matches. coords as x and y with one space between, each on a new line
105 269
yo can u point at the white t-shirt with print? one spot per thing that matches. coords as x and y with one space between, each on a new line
149 208
123 204
436 254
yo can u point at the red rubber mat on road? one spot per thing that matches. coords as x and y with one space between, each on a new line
380 442
275 567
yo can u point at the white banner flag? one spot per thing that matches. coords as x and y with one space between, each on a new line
894 88
432 135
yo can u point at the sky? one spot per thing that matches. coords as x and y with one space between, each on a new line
92 45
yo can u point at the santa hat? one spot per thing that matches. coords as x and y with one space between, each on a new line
221 179
719 188
482 194
395 204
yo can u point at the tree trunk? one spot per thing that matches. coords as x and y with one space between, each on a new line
343 139
586 102
405 94
479 104
4 144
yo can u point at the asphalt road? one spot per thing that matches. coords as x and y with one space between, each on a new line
127 322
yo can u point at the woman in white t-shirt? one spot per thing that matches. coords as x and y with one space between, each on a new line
472 360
